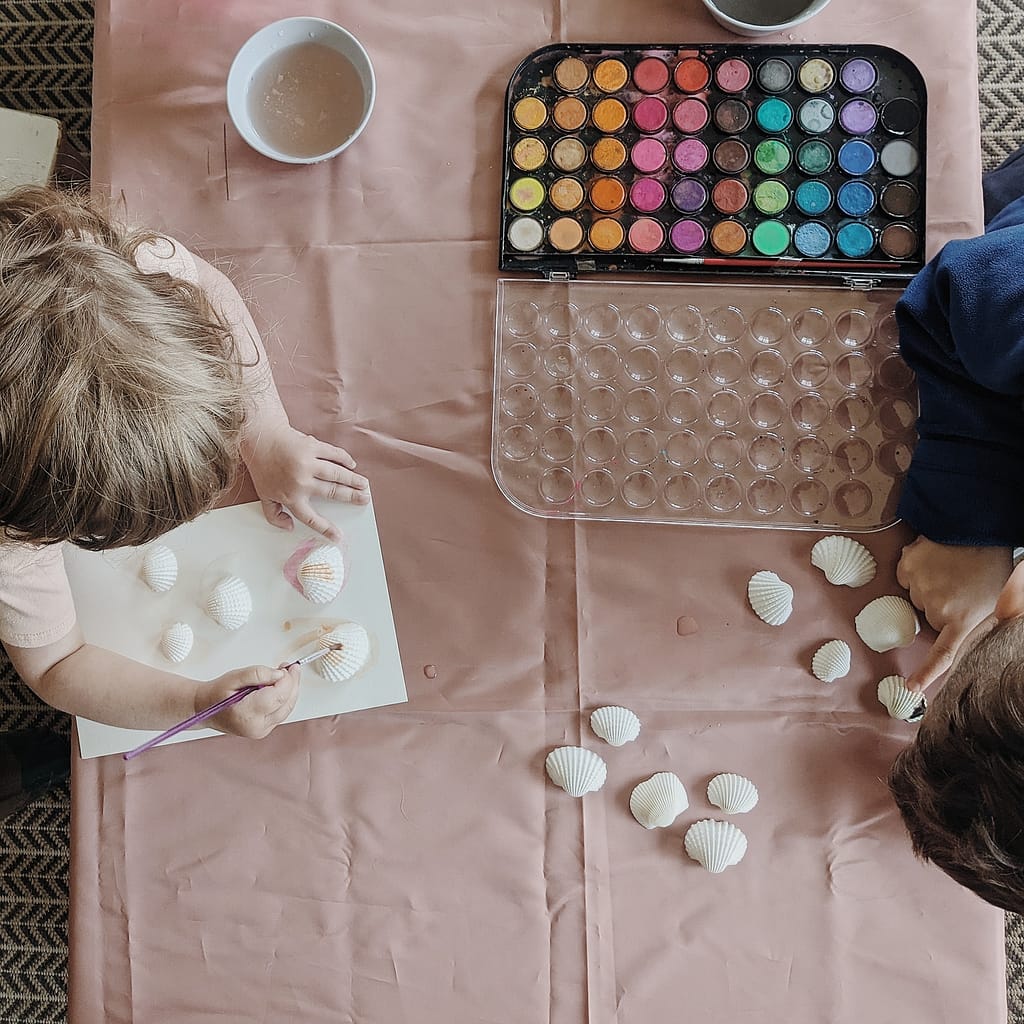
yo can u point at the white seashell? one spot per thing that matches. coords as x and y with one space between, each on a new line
844 561
160 568
353 654
321 574
887 623
715 845
901 703
734 794
230 603
831 661
657 802
615 725
176 642
576 770
770 597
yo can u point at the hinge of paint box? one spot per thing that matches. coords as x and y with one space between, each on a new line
557 275
861 284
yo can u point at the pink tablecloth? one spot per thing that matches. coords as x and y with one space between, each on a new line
413 864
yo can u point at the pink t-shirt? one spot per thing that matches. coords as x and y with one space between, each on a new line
36 607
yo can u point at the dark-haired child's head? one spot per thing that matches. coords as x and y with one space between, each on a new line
960 784
121 400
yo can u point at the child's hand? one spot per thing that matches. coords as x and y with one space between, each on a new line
258 714
289 468
955 587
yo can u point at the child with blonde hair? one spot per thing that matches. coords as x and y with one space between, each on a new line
132 384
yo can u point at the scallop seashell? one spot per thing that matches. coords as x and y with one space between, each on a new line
770 597
576 770
901 703
886 623
351 656
615 725
321 574
230 603
733 794
844 561
657 802
160 568
831 661
176 642
715 845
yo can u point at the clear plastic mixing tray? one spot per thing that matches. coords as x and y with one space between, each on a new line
727 404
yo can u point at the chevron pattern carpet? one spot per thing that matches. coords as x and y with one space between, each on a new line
46 67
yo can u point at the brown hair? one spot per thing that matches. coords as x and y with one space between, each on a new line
960 784
121 400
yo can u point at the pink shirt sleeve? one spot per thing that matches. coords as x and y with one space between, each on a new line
36 606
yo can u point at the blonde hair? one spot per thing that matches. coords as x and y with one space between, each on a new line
121 399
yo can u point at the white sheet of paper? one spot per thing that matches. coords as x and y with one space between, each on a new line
118 611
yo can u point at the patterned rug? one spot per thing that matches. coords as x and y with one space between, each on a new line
46 67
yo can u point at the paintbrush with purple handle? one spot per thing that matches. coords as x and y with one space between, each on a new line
209 712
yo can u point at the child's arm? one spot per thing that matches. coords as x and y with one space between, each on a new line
97 684
287 467
962 330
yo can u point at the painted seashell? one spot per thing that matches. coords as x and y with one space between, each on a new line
715 845
657 802
615 725
733 794
844 561
351 656
230 603
321 574
831 661
576 770
901 703
770 597
160 568
176 642
886 623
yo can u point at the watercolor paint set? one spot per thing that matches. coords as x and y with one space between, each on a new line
719 158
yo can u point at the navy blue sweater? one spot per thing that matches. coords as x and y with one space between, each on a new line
961 324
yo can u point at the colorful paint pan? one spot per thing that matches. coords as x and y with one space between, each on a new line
646 235
648 155
747 157
570 113
687 236
571 74
525 234
691 115
608 154
689 195
692 74
566 234
647 195
651 75
775 75
568 154
566 195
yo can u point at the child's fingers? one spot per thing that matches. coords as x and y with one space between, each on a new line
275 514
332 453
940 656
333 475
336 491
316 522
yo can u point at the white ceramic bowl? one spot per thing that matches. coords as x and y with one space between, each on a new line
752 24
277 36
